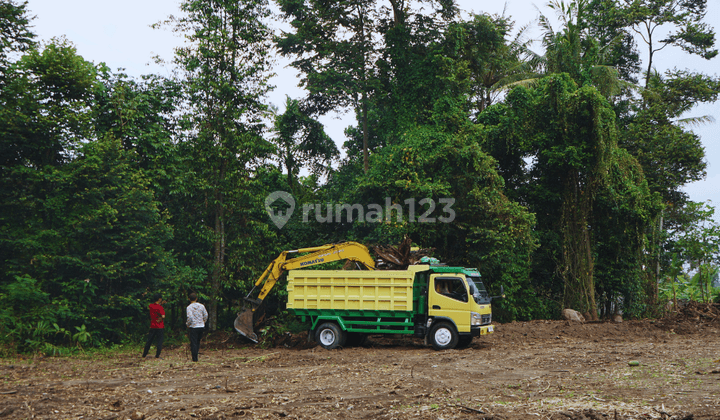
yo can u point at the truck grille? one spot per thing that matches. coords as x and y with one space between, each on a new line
486 319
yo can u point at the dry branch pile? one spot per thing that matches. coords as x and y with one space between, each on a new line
399 257
698 310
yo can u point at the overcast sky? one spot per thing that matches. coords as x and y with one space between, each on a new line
118 34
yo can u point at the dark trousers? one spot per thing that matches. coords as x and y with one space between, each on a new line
195 334
156 335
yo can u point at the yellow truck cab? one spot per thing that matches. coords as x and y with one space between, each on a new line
447 306
458 299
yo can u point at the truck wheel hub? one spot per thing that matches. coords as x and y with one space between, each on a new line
327 337
443 336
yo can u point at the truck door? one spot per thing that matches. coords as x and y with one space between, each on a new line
448 297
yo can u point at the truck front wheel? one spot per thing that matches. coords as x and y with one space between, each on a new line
329 335
443 336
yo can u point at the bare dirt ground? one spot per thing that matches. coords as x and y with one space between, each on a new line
526 370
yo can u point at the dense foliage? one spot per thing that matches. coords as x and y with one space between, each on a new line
555 174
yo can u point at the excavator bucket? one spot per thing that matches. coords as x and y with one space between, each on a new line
244 324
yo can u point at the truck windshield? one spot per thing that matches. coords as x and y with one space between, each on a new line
477 289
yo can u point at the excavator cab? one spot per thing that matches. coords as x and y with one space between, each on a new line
351 251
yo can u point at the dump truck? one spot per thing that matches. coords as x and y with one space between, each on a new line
445 306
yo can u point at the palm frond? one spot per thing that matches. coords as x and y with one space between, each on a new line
510 82
695 121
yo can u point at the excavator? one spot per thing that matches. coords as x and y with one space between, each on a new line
351 251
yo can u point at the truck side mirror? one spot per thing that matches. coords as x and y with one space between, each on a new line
502 294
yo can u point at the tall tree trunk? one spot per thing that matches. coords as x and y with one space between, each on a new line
650 55
289 165
218 254
652 288
366 158
398 11
363 98
577 267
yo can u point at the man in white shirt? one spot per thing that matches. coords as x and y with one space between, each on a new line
196 318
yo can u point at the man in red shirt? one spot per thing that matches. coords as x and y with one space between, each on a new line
157 326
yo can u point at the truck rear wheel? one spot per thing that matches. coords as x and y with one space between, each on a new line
443 336
330 336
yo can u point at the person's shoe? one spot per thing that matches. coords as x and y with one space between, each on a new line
158 357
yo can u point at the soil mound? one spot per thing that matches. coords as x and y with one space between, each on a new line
693 318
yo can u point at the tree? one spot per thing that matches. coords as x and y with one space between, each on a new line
301 141
336 46
451 186
668 155
46 103
15 33
671 156
654 123
423 78
494 61
141 114
431 167
699 246
574 51
81 232
578 173
111 237
45 116
685 17
337 68
226 70
92 239
606 22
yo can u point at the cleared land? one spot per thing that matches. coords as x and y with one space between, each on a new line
540 369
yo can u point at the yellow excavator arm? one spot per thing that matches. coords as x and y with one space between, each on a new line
351 251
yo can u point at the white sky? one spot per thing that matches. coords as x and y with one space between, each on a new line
118 34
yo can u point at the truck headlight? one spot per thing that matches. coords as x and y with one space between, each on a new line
475 318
